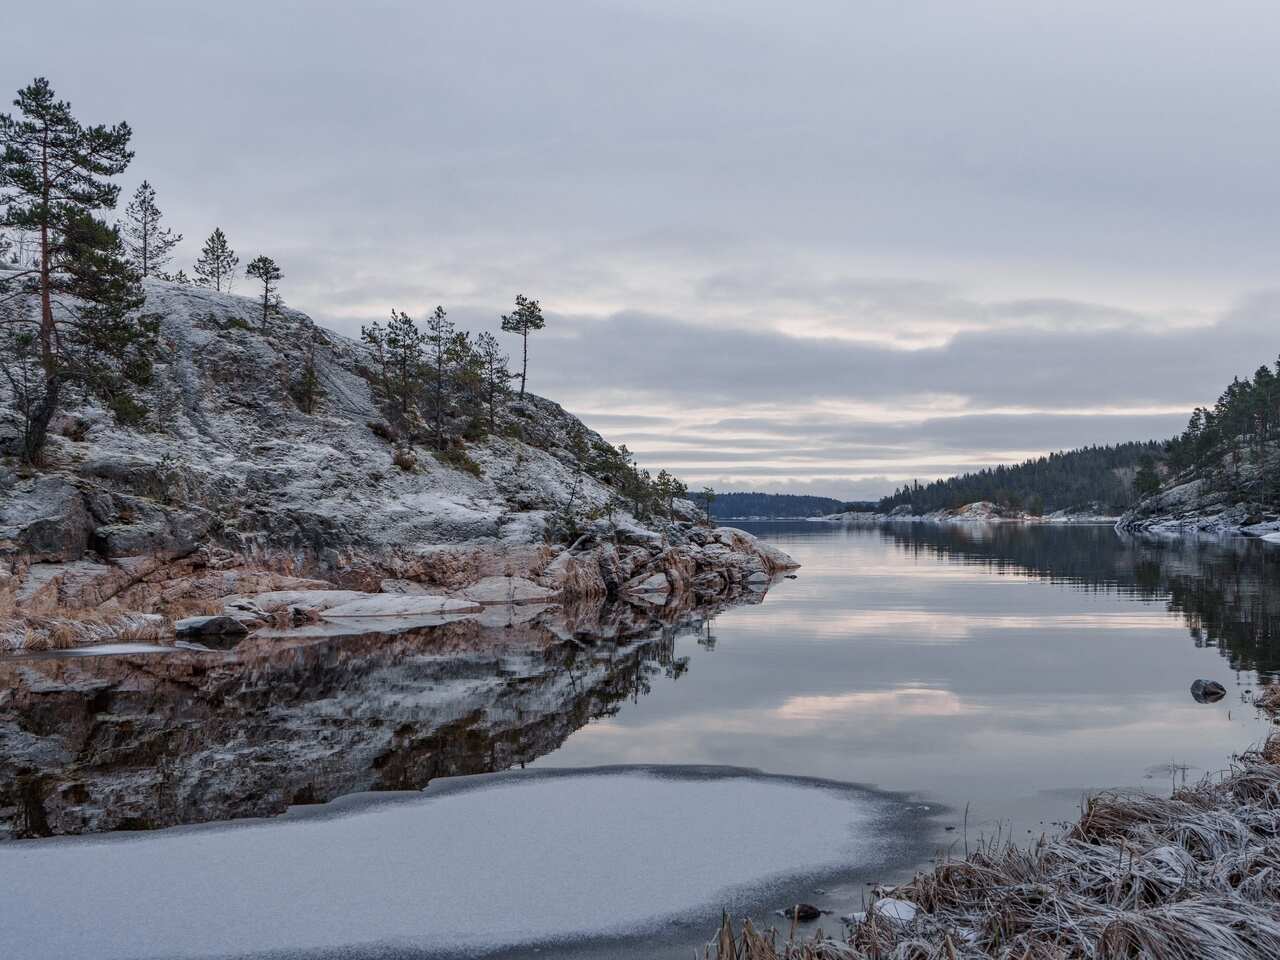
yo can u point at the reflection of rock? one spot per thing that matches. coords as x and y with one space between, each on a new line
304 715
1208 691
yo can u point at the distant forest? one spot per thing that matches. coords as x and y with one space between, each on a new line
774 505
1078 479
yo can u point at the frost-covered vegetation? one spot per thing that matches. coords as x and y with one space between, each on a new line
1192 877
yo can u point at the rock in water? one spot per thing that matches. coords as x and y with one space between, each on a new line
804 912
1208 691
219 627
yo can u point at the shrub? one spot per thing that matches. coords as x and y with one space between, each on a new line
404 459
458 458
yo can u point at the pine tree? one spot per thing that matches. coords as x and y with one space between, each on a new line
375 338
306 390
439 354
526 318
54 178
404 346
496 376
149 244
217 263
265 270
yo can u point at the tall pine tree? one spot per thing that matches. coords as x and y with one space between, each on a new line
265 271
217 263
526 318
496 377
72 319
149 244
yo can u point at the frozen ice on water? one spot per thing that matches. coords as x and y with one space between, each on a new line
506 860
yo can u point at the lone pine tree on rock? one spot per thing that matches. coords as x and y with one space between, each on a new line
71 318
148 243
526 318
264 270
217 263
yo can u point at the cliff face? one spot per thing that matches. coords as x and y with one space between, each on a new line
1236 495
229 487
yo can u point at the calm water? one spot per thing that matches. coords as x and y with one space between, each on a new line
1004 671
1006 668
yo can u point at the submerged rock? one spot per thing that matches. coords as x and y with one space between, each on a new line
1208 691
803 912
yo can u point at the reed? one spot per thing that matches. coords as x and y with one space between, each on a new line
1194 876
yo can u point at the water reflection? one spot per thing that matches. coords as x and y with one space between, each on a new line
131 741
1227 590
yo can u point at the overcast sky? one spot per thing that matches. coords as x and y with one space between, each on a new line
815 247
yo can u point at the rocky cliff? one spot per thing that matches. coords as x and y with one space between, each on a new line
1234 495
229 487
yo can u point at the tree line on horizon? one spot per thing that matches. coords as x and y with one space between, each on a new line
1086 478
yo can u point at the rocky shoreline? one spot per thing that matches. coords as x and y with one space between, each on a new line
979 512
233 490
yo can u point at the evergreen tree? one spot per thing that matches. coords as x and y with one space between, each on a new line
440 354
306 390
264 269
148 243
86 332
1147 480
404 345
496 376
217 263
526 318
179 277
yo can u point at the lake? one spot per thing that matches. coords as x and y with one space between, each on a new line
914 689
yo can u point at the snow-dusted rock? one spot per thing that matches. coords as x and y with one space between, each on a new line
507 590
654 583
399 605
307 601
397 585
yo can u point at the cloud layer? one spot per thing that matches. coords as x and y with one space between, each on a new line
826 246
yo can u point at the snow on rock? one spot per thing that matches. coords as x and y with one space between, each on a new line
233 490
399 605
507 590
306 601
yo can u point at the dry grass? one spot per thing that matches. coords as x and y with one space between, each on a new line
1192 877
74 628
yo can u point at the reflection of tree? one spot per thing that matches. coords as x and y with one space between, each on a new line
1228 591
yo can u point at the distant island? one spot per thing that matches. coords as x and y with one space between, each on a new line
779 506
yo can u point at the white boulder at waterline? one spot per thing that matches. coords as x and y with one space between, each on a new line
516 859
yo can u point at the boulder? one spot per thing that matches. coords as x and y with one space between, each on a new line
803 912
400 605
45 520
217 625
1208 691
507 590
654 583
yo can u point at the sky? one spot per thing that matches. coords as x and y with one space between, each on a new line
814 247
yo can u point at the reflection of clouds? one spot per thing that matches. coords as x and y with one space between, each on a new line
926 626
900 702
